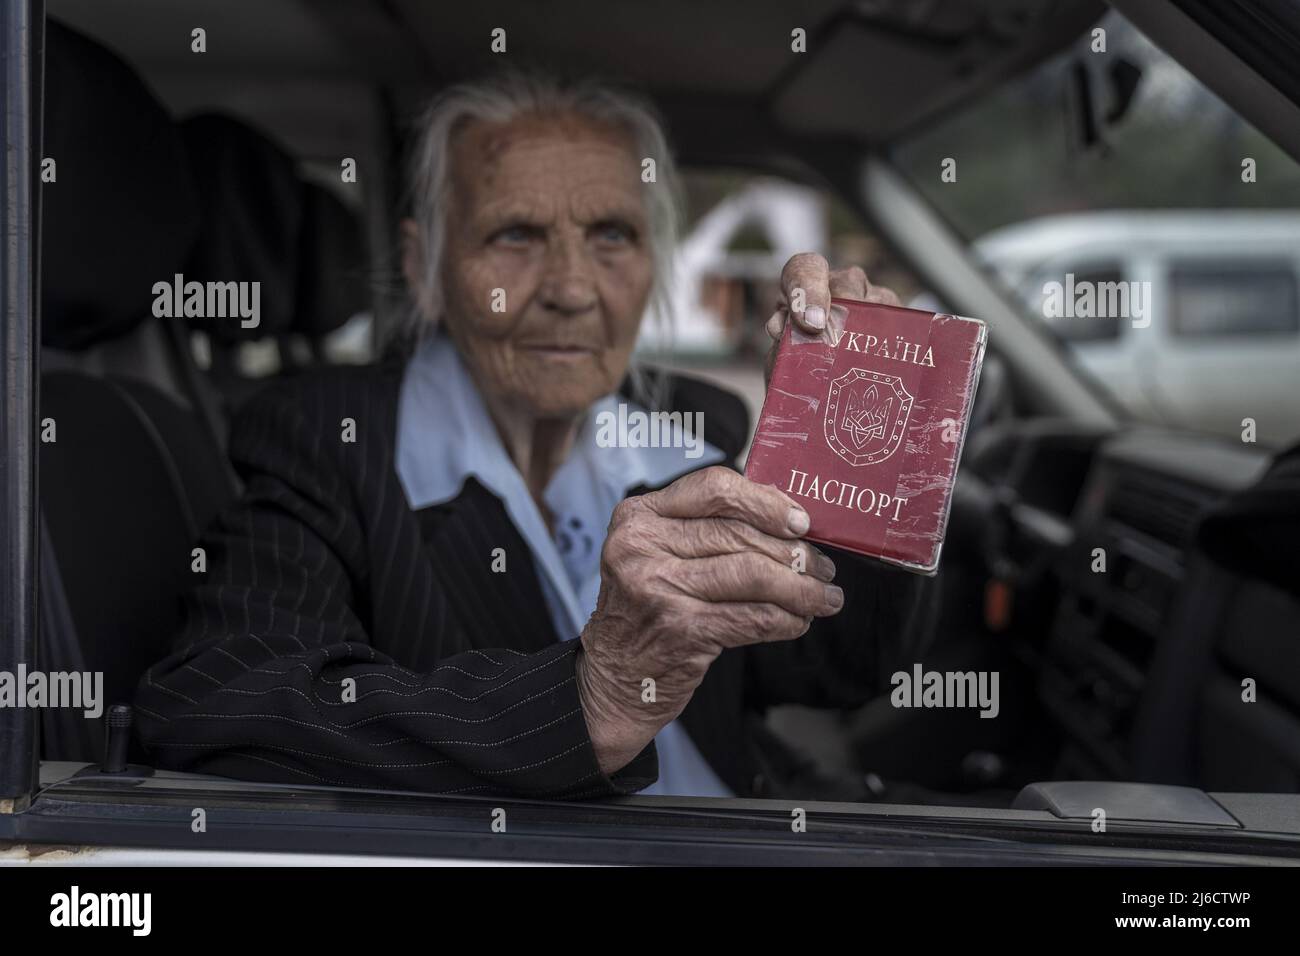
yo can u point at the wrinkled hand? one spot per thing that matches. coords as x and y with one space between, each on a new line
807 279
705 564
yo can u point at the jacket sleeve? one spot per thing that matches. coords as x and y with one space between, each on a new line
274 676
844 661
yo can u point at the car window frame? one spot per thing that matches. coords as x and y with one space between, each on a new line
22 29
86 812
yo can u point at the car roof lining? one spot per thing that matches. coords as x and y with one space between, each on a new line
312 53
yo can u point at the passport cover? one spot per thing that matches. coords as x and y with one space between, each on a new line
864 423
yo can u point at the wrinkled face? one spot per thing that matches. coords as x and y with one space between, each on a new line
547 266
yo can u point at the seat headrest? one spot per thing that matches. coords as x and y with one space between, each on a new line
332 266
122 213
252 210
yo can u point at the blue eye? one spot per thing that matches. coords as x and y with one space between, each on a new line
515 235
614 232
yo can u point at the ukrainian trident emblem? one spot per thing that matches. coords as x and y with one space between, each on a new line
866 416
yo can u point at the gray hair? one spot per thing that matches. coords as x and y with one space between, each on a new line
499 98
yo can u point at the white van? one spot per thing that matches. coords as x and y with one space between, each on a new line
1216 338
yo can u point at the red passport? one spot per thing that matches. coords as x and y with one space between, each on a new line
863 425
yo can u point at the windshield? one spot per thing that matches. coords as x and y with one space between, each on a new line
1143 221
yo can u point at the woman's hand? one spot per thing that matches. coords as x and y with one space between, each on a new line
807 286
710 562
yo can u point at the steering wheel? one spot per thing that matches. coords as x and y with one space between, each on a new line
993 399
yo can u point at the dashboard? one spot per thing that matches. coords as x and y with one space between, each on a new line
1141 652
1126 582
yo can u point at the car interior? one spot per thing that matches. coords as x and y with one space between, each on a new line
227 162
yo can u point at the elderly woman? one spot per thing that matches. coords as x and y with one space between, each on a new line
438 579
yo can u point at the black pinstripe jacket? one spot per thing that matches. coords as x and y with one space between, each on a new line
337 636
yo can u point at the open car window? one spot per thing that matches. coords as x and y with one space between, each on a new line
380 384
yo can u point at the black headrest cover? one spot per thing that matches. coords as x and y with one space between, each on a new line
123 211
252 218
332 269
